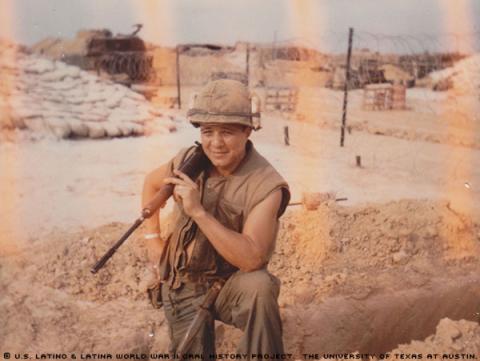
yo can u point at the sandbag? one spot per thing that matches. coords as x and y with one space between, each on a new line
40 66
34 124
112 130
59 127
79 128
137 129
95 131
126 129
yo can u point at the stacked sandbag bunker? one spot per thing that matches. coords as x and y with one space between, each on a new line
52 97
463 78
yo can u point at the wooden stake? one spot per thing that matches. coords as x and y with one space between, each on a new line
286 137
247 70
345 88
358 160
179 101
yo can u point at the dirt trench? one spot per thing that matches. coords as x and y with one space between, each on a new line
372 277
380 322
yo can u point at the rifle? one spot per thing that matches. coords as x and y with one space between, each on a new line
192 167
200 317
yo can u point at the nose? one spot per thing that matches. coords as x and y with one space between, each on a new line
217 140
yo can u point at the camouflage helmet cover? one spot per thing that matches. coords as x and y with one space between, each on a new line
224 101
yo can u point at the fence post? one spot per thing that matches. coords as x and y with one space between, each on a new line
358 161
286 135
345 88
247 70
179 101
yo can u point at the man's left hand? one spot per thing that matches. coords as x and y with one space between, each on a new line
187 192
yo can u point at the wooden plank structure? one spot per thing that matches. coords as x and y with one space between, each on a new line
399 97
281 98
384 96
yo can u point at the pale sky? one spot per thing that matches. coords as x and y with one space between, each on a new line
422 24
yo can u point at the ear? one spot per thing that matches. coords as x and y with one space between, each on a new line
247 131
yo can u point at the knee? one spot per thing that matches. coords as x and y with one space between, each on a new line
252 294
258 283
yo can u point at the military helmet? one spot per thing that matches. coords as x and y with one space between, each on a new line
225 101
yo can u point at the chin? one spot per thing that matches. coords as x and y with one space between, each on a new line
219 162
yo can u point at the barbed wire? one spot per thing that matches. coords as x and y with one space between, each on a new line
424 41
439 79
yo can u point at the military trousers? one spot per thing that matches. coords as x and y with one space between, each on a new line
248 301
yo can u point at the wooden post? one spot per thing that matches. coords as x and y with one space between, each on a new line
345 88
286 137
358 161
247 70
274 50
179 101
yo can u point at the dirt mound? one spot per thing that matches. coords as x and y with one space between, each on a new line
451 337
336 264
63 262
354 277
334 237
58 48
359 278
63 308
336 243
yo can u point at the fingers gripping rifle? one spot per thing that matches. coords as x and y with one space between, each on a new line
192 167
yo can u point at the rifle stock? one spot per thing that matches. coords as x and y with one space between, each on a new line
192 167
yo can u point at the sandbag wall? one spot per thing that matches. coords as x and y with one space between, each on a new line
55 98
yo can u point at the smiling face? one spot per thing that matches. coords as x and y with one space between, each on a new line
224 145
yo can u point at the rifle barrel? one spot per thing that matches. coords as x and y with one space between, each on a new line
101 262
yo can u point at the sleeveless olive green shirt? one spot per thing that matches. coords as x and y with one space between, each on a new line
230 199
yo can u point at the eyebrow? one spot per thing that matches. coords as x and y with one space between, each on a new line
221 127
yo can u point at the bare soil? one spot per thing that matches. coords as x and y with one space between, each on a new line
363 278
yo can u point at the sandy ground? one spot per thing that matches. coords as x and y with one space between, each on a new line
363 278
367 274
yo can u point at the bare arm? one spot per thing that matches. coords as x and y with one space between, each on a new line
153 182
251 249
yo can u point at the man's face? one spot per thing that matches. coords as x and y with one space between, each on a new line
224 145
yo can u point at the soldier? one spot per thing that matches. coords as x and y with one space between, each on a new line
225 226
